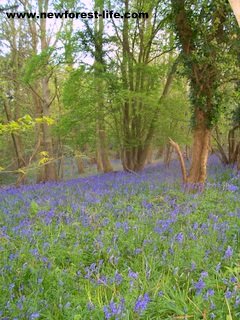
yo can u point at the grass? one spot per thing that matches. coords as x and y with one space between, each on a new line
121 246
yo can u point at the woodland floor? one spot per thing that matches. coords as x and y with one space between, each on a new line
122 246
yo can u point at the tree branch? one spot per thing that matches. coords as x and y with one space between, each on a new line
180 156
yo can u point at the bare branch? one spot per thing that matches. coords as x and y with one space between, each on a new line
161 54
180 157
35 92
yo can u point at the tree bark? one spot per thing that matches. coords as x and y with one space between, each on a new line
80 165
149 159
232 147
13 108
238 158
200 149
99 161
203 77
223 156
107 166
49 170
201 141
17 143
168 155
231 156
159 152
103 161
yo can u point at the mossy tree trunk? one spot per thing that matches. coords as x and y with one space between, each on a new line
200 57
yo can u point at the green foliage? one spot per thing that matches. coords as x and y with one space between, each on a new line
210 53
37 66
44 158
77 124
23 124
174 119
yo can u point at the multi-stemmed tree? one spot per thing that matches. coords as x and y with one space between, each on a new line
139 63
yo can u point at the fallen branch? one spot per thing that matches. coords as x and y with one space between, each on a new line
180 157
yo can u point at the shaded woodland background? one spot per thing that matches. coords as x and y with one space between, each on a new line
104 92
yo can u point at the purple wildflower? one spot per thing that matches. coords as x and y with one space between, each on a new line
90 306
204 274
193 266
160 293
179 237
233 279
102 280
141 303
114 309
118 278
232 188
228 294
20 305
132 274
237 301
209 293
199 286
11 286
195 226
107 313
118 224
34 315
67 305
137 251
228 253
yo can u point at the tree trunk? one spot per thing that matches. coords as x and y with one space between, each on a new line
134 158
232 147
149 159
159 153
60 170
17 143
143 155
203 74
106 164
80 165
238 158
201 141
167 155
127 160
49 170
99 161
198 170
224 158
12 109
200 149
103 162
187 152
